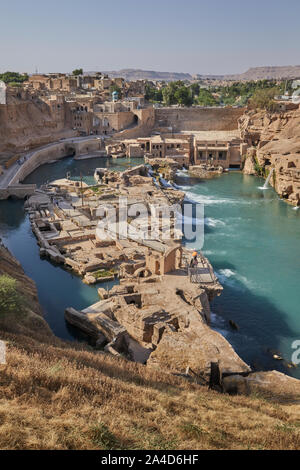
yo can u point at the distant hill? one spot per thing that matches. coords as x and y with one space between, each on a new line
137 74
260 73
254 73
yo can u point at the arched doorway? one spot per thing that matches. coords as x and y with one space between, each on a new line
70 151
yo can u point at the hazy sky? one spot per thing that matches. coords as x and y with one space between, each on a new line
196 36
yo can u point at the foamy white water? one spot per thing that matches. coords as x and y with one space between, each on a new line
211 222
211 200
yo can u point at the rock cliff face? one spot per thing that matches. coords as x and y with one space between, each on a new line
274 141
250 162
26 123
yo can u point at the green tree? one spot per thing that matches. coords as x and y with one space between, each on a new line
153 94
264 99
195 88
158 96
77 72
13 77
239 93
168 93
183 96
205 98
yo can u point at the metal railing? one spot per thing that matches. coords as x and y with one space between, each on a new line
201 275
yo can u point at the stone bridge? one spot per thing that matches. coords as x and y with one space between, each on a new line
10 181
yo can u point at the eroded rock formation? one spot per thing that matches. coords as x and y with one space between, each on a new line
26 122
162 325
274 141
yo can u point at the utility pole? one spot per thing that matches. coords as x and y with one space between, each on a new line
81 190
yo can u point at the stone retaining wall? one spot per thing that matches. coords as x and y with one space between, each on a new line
146 119
19 191
198 119
54 152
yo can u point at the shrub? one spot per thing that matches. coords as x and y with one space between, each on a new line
13 78
264 99
77 72
10 299
104 438
103 273
205 98
259 169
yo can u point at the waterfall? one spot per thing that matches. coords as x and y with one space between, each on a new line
268 178
164 182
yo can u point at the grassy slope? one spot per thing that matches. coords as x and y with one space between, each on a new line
59 395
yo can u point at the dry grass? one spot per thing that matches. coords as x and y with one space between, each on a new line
60 395
54 395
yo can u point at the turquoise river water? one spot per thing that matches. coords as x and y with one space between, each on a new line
251 238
